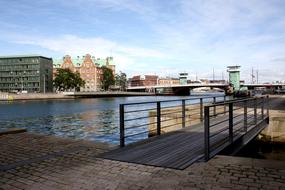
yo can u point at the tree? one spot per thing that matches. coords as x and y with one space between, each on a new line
108 78
121 80
65 80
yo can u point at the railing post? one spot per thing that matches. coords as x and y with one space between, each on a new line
207 133
231 137
262 108
201 109
214 101
183 114
267 109
122 126
225 108
158 119
245 115
255 111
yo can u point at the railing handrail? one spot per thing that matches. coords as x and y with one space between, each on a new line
158 109
235 101
230 120
174 100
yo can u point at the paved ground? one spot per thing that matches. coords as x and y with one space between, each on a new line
29 161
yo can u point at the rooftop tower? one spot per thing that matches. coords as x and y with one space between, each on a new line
234 76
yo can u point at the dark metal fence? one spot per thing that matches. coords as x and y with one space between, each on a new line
234 118
140 120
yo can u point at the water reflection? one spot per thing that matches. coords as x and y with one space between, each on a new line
263 150
91 119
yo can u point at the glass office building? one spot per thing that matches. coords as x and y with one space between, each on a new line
30 73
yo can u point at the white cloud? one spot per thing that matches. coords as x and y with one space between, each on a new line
73 45
125 56
189 35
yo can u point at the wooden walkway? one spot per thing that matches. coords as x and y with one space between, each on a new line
173 150
177 149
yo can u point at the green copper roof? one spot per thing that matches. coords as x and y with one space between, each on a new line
78 60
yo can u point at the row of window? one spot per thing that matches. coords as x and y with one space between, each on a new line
19 60
17 85
19 79
18 67
18 73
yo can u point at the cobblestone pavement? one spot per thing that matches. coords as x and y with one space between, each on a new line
29 161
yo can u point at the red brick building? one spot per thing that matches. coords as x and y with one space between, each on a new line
88 67
146 80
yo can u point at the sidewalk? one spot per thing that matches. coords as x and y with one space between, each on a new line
30 161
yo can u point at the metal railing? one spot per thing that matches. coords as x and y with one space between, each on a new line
224 127
140 120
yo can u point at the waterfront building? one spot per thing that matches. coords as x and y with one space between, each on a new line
168 81
26 73
146 80
88 67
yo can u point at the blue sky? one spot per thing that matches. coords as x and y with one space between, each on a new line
153 36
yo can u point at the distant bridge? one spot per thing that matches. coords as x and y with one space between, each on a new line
178 89
275 86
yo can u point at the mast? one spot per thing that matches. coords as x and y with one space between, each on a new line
257 76
252 76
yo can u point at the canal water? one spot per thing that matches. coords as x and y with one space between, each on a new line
94 119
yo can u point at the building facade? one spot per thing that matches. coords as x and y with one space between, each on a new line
146 80
28 73
88 67
168 81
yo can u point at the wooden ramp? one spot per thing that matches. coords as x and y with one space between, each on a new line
177 149
173 150
226 125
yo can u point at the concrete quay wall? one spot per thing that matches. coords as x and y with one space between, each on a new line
67 95
172 118
34 96
275 132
